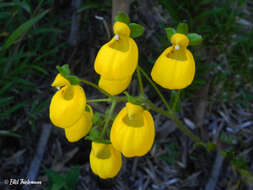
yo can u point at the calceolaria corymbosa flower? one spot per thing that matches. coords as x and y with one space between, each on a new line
175 67
67 109
67 104
133 131
117 60
105 161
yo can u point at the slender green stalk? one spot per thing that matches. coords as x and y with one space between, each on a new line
155 87
99 100
120 99
117 99
180 125
97 87
114 103
175 101
140 82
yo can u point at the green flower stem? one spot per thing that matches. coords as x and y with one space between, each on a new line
140 82
175 101
155 87
97 87
99 100
117 99
107 121
172 116
120 99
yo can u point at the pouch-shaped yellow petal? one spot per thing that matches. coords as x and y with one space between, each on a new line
105 161
67 106
117 59
114 87
80 128
175 67
133 136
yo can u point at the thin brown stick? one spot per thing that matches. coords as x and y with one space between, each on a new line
119 6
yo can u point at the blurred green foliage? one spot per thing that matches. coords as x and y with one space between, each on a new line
28 46
56 181
171 155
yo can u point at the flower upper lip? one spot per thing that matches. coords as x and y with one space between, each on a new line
60 81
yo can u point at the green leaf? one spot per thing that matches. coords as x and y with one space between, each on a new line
195 39
227 139
89 5
54 177
170 32
122 17
21 30
95 136
240 163
74 80
94 133
182 28
17 3
8 133
12 109
38 68
58 186
7 86
72 177
211 146
63 70
5 101
246 173
96 118
136 30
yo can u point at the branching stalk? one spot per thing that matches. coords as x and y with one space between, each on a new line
140 82
97 87
180 125
114 103
155 87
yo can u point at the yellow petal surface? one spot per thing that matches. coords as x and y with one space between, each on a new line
60 81
133 136
67 106
114 87
117 59
180 39
80 128
174 69
121 28
105 161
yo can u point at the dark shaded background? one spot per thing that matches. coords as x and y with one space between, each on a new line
217 106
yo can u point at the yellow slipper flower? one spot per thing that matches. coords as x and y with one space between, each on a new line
114 87
67 104
175 67
105 161
80 128
118 58
133 131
